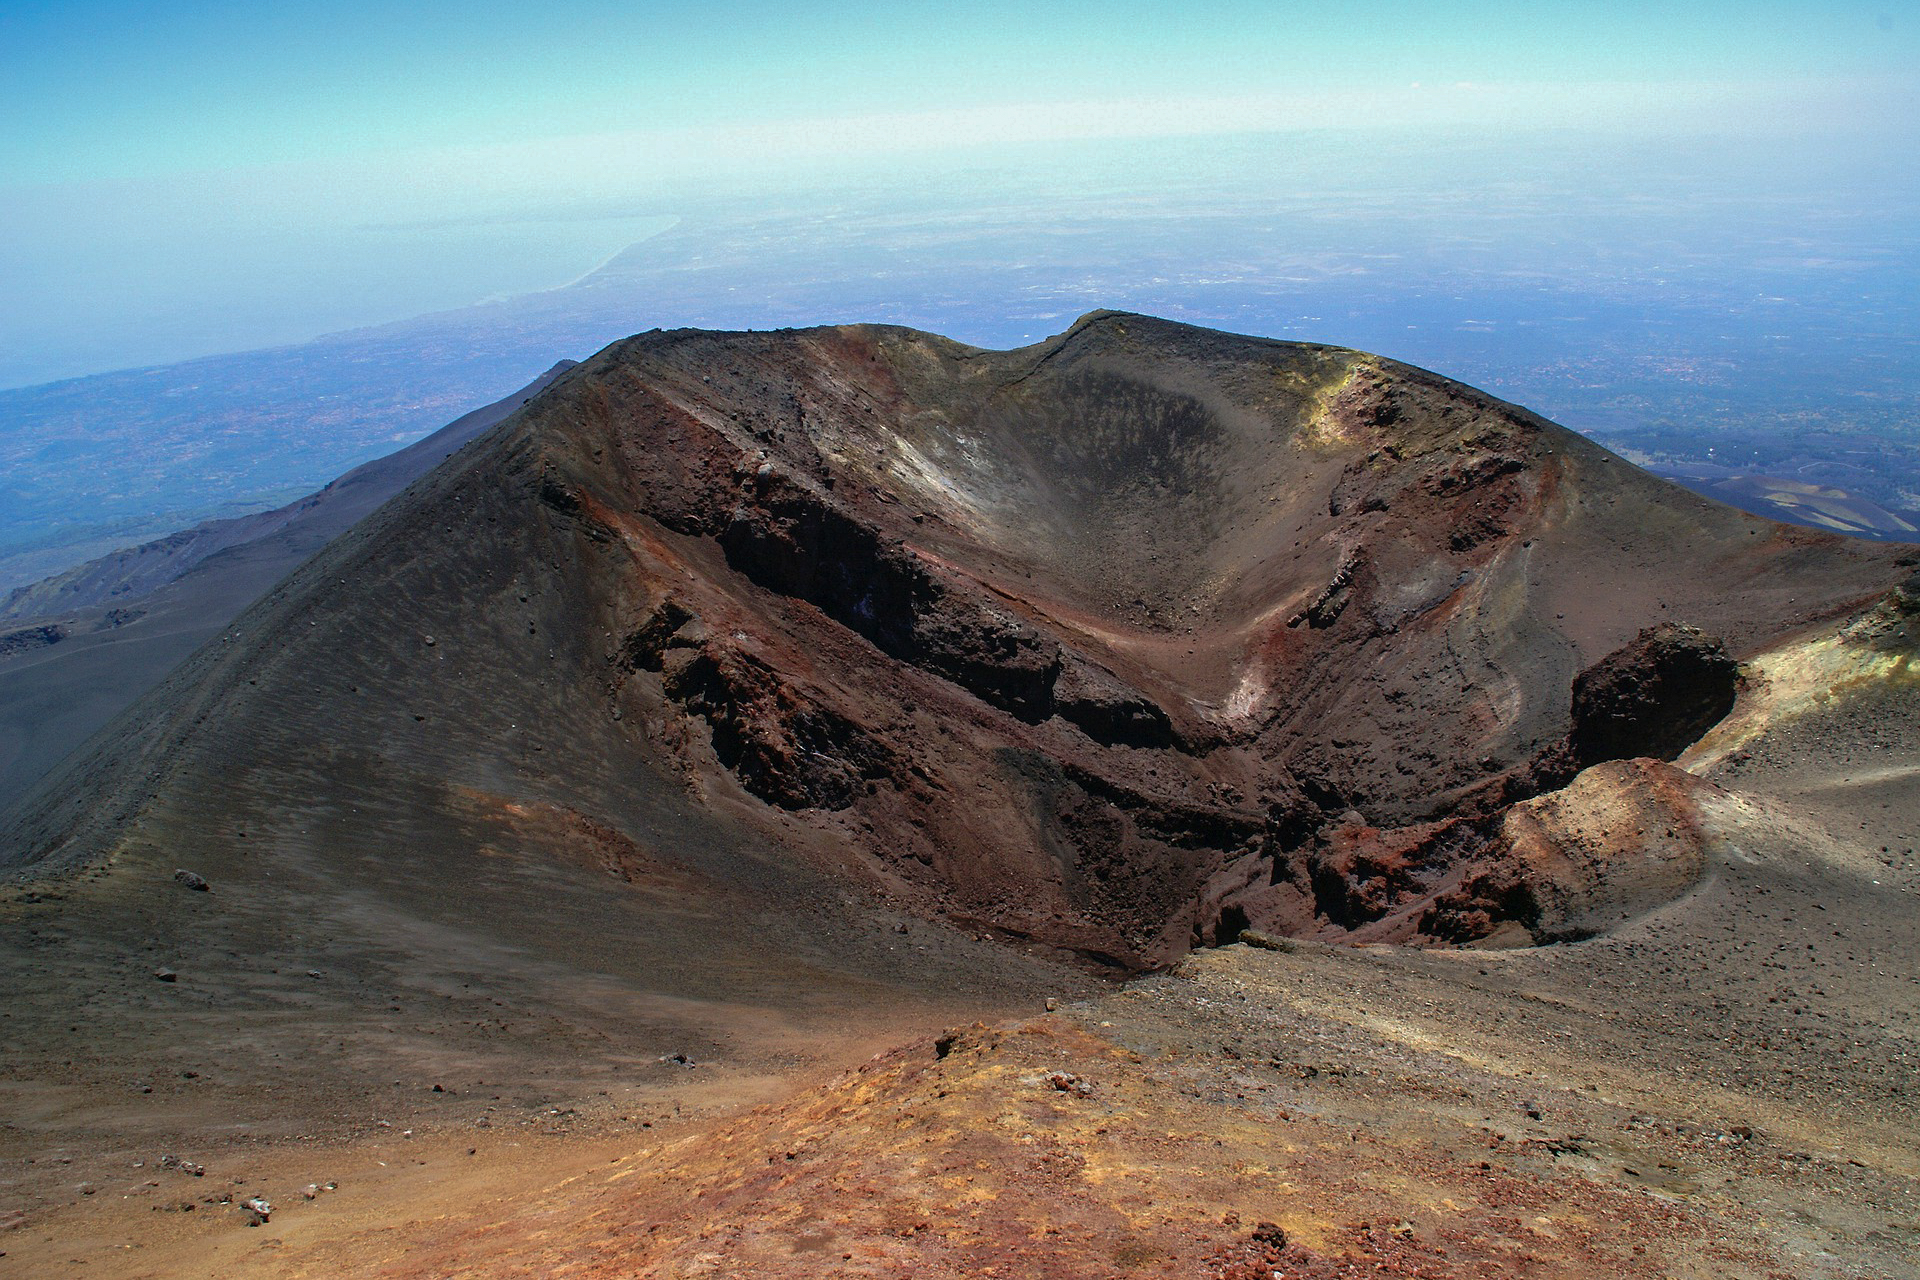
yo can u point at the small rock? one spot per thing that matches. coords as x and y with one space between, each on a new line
311 1191
1255 938
166 975
1270 1234
679 1058
259 1208
183 1166
1067 1082
192 880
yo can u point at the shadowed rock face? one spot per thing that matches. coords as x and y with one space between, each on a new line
1654 697
1112 645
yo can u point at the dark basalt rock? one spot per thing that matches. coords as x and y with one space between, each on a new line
1107 710
1655 696
31 638
799 543
670 626
1332 600
783 747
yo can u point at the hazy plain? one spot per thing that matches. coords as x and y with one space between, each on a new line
1688 300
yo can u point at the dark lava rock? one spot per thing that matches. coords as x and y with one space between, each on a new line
1107 710
192 880
1654 696
1332 600
779 738
31 638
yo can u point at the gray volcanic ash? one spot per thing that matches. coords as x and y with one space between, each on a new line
108 630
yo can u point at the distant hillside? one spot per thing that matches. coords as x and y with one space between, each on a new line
76 649
1818 506
124 576
1613 345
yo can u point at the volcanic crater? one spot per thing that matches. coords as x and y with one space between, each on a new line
1112 646
746 698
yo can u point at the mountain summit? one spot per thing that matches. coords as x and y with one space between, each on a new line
1108 647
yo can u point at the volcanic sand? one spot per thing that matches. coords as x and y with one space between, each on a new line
1722 1087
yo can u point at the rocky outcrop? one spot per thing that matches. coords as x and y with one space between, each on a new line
26 639
1653 697
792 540
1107 710
1623 838
785 747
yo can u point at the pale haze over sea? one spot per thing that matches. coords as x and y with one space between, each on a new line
1680 233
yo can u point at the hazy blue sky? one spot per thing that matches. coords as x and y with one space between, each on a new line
96 90
195 177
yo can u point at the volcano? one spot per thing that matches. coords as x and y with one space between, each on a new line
1107 647
746 703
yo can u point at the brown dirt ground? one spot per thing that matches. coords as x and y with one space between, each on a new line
1723 1087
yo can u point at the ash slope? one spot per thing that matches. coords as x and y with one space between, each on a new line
1109 645
83 645
133 573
